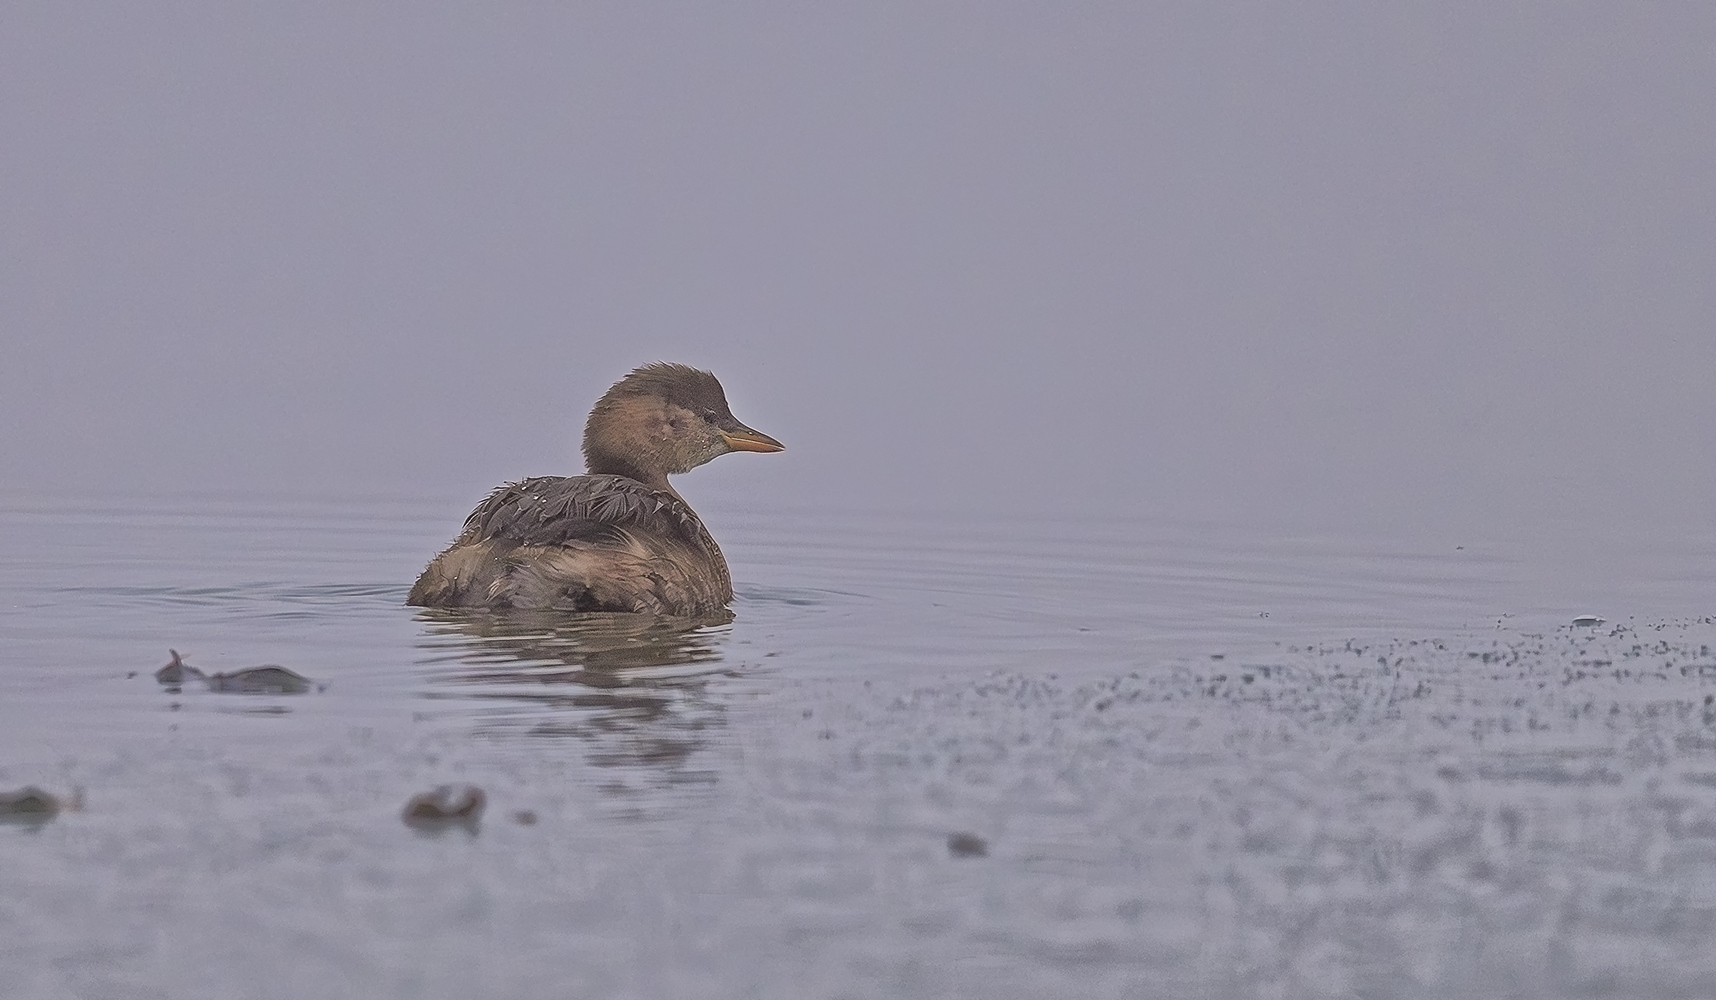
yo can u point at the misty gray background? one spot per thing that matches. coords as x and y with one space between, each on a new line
1422 266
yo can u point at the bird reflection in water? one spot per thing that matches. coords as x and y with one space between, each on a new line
634 687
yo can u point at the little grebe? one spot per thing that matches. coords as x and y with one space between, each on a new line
619 538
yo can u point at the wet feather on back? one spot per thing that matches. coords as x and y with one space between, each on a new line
553 510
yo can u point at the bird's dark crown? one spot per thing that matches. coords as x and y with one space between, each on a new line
680 385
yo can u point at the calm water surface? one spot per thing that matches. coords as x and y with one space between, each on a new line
927 758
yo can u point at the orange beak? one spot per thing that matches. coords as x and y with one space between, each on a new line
742 438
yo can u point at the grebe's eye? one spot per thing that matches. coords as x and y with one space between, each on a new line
709 416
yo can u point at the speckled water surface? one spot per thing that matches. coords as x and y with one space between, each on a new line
928 757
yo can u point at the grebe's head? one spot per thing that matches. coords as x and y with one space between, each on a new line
664 419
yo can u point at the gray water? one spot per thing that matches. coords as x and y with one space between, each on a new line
928 757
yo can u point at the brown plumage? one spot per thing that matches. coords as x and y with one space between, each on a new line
619 538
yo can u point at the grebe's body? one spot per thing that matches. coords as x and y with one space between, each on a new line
619 538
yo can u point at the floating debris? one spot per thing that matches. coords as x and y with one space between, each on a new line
967 845
1588 620
445 805
31 803
267 679
176 671
524 817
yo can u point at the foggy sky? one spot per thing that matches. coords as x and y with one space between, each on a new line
1420 265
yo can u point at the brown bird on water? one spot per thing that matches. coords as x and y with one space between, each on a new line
619 538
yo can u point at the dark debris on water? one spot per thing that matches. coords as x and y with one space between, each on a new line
266 679
446 805
33 804
967 845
